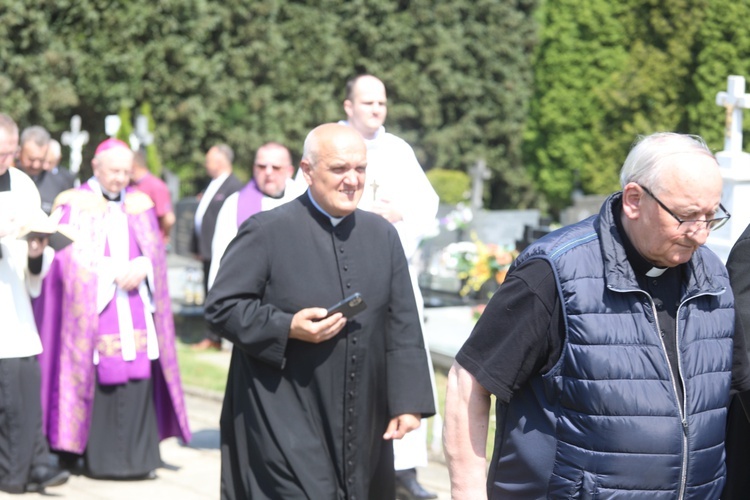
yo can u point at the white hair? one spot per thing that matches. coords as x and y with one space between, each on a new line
647 159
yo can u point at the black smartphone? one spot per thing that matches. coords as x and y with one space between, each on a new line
350 306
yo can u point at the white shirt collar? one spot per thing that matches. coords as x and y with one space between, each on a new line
97 188
655 272
334 220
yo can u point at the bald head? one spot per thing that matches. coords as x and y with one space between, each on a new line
334 162
366 105
54 155
219 160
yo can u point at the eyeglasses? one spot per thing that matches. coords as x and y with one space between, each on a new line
708 225
5 154
275 168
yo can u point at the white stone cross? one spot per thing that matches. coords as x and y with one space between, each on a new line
75 139
141 136
479 173
734 100
112 125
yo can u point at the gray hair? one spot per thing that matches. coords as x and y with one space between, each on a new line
227 151
36 134
646 160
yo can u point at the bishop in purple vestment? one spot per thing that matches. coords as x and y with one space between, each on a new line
111 388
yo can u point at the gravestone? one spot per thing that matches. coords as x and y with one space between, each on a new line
173 183
112 125
182 233
735 169
533 233
438 277
503 227
140 137
185 275
584 205
479 173
75 138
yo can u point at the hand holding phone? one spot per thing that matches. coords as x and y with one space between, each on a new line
350 306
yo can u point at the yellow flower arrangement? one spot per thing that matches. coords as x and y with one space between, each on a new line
487 262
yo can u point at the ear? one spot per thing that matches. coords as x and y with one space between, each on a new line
348 108
306 168
632 196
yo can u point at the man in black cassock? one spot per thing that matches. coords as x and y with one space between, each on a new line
313 402
738 421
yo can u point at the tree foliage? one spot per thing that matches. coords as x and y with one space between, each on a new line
606 72
457 73
451 186
466 79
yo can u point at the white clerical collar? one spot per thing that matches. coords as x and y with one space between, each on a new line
655 272
97 188
334 220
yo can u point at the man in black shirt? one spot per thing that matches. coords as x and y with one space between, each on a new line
615 324
33 159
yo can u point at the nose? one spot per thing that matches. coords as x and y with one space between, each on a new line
698 233
351 178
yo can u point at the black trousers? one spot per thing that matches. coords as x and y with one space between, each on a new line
22 442
738 451
208 333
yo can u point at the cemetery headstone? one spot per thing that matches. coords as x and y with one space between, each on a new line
75 138
112 125
438 277
584 205
479 173
141 137
182 233
735 169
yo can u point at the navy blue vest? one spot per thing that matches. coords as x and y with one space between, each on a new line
604 422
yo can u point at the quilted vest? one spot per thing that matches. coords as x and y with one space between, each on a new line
605 422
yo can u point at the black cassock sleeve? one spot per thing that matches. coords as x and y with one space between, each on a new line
234 307
738 265
738 422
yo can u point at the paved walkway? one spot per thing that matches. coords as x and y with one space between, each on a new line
192 472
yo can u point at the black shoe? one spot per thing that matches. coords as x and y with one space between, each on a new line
408 488
42 476
73 463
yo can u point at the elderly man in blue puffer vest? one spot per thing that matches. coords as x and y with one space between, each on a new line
612 348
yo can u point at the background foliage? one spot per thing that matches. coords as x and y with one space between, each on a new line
458 73
606 72
452 186
547 93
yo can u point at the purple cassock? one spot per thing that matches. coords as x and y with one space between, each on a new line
72 328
